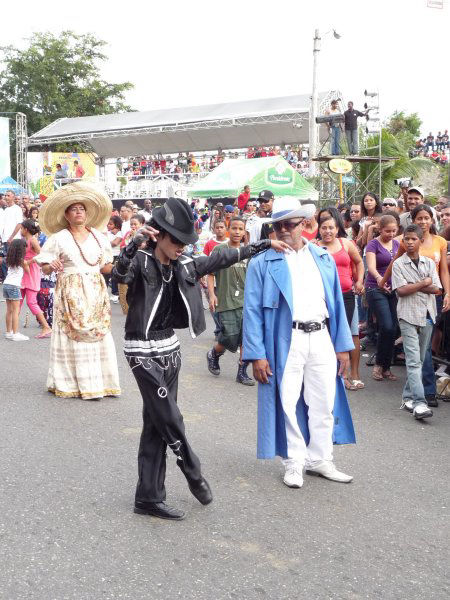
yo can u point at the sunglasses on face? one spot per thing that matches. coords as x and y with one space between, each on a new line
388 204
288 225
174 240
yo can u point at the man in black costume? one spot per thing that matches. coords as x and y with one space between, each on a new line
163 295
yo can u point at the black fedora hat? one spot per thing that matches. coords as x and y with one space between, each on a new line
175 216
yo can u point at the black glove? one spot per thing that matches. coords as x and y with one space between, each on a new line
258 247
132 247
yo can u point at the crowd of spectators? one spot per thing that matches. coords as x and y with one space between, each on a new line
141 167
435 147
370 230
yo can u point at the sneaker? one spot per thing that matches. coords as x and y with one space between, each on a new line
421 411
8 335
212 359
114 299
19 337
408 405
327 469
293 475
242 375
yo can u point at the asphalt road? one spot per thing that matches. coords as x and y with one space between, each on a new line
68 471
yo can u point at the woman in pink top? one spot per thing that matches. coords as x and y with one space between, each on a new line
350 268
31 281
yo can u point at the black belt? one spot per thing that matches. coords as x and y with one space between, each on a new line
309 326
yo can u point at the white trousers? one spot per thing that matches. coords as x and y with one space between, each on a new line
312 361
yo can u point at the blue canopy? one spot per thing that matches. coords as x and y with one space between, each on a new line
8 183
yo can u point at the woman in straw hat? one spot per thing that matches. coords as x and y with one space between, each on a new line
83 361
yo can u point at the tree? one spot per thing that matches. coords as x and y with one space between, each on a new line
405 128
398 122
58 76
404 166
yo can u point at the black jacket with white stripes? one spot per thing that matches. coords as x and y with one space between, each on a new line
140 270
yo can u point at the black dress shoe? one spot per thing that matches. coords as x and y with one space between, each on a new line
201 490
158 509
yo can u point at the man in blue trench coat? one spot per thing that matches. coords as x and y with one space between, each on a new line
296 335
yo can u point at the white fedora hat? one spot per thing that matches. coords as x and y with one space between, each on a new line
290 208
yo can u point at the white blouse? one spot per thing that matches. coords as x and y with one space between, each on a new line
62 246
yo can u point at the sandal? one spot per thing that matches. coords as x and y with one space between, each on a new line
350 385
42 336
359 384
377 373
389 375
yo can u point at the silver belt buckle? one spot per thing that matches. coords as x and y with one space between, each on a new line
310 326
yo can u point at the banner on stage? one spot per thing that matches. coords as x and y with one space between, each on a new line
42 169
5 161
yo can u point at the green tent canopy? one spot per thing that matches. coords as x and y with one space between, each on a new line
272 173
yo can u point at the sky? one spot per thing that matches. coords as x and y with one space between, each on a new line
179 53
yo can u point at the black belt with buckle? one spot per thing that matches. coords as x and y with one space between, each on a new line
309 326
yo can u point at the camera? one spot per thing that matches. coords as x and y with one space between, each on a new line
403 181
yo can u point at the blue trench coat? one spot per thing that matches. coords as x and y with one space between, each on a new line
267 334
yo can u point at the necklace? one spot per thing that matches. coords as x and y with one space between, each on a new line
97 262
391 250
170 276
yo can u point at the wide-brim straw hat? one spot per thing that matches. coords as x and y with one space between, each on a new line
94 198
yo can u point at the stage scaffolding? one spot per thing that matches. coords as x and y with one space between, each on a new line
351 187
21 149
331 188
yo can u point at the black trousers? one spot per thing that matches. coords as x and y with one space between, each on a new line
157 378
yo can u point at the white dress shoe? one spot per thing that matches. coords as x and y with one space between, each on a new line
327 469
293 475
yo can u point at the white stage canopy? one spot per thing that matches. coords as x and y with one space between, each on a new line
267 122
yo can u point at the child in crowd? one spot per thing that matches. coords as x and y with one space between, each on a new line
45 296
227 300
220 236
31 281
415 279
136 222
11 288
114 235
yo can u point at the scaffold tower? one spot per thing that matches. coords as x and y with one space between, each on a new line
21 149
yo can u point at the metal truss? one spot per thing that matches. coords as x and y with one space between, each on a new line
326 101
329 186
21 149
176 127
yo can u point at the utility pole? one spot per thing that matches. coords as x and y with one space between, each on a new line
313 107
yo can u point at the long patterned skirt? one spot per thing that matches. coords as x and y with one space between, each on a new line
84 370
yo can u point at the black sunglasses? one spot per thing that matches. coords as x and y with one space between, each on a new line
388 204
174 240
288 225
